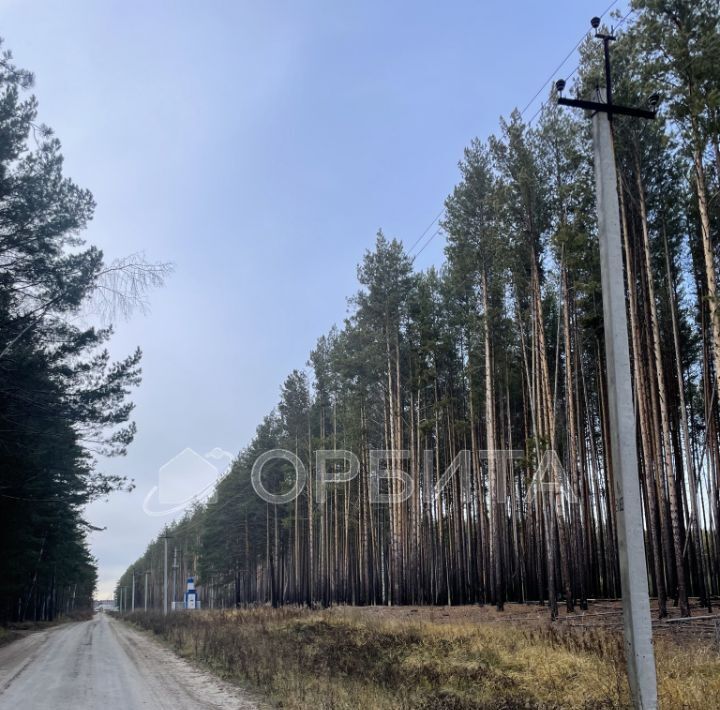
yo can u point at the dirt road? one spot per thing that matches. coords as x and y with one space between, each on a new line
103 665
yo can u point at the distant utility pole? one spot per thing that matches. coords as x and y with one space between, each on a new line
132 600
633 568
147 572
165 577
175 569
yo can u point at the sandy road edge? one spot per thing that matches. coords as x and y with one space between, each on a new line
228 685
17 654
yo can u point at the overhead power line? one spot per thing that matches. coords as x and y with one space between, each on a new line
427 229
535 115
572 73
437 231
562 63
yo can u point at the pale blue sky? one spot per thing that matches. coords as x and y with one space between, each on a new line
259 146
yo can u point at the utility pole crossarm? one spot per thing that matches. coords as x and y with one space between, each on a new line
607 108
607 105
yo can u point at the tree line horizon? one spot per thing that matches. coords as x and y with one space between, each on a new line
502 347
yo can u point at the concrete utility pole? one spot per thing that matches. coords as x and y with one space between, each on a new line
132 600
633 567
165 578
147 572
175 569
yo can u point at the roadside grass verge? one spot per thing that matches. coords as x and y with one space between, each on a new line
7 635
320 659
17 629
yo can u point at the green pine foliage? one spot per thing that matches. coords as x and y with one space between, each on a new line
62 399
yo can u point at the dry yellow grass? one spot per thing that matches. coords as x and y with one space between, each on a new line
351 659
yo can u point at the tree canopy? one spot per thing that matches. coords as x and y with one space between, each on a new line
63 401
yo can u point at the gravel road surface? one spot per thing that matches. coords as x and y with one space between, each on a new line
103 665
